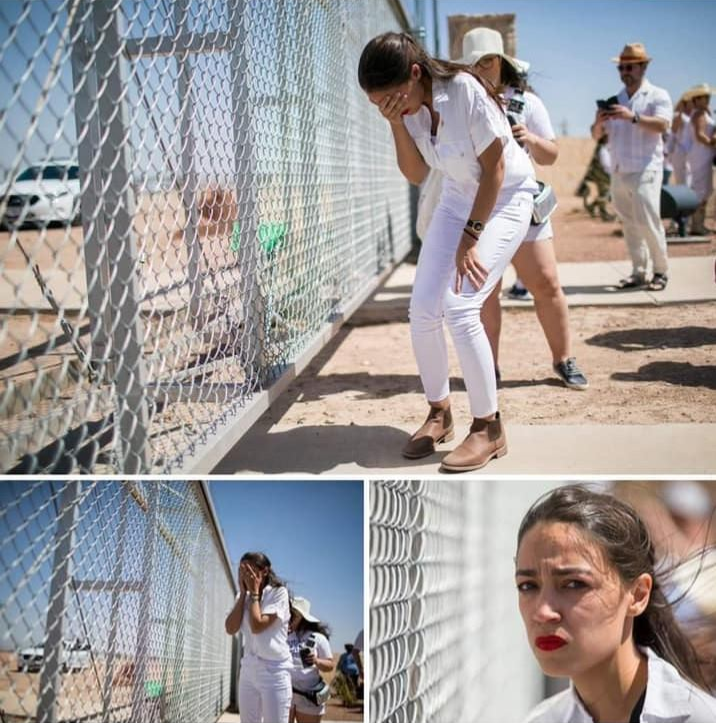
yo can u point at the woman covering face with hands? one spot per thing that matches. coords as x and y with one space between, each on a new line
594 612
262 613
442 116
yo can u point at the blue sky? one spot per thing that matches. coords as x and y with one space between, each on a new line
313 533
569 44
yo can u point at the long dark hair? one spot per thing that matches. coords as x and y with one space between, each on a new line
304 626
625 541
510 77
261 561
387 59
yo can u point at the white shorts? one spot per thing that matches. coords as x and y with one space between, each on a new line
541 232
303 705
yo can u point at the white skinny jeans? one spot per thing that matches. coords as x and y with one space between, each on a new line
265 691
434 297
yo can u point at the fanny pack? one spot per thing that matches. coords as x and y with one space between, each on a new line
317 695
544 204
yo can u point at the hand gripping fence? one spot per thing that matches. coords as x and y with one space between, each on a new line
194 194
112 603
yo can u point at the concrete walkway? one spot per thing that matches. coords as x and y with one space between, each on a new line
364 449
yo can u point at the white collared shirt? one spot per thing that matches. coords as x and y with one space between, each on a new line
634 149
669 699
270 645
469 122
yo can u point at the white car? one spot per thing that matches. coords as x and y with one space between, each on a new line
75 656
41 195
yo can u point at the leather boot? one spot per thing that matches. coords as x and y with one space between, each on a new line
438 427
484 441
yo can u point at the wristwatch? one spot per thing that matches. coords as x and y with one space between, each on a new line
636 118
475 225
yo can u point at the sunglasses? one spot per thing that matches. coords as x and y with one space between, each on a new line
628 67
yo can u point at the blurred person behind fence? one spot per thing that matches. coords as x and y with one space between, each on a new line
262 614
701 154
443 116
534 260
312 655
595 612
635 124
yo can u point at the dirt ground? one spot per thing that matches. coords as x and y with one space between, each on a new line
645 365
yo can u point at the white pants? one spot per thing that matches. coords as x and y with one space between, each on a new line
636 198
680 164
433 296
265 691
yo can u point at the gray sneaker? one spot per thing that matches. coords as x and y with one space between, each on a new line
570 374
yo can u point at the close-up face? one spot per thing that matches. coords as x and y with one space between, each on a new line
631 73
575 609
412 89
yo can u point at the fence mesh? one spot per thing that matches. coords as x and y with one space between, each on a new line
194 192
446 641
112 603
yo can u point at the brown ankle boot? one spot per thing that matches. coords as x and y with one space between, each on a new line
484 441
438 427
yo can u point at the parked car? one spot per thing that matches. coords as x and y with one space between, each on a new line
75 656
41 195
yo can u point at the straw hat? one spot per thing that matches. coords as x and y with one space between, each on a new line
697 90
303 606
479 42
632 53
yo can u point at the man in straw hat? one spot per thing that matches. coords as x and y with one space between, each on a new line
635 124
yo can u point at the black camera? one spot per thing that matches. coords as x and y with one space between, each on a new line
306 650
608 103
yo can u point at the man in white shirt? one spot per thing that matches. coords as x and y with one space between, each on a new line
635 124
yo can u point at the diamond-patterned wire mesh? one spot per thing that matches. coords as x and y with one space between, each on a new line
112 603
446 641
196 191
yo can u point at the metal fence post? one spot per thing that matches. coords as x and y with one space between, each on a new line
254 302
50 682
189 184
108 215
144 626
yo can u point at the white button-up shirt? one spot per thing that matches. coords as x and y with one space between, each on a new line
469 122
634 149
669 699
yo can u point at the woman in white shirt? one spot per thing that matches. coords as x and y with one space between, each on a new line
261 613
534 261
312 655
595 612
442 116
701 154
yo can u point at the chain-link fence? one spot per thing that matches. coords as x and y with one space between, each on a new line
112 603
196 194
446 641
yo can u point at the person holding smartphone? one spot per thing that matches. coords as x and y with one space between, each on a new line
635 125
262 614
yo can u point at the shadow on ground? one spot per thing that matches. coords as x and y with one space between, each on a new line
681 374
685 337
316 449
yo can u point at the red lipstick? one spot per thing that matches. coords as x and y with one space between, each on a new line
550 642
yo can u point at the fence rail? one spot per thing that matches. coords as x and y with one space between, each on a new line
197 193
112 603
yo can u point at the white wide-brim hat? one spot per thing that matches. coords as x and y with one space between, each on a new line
303 606
479 42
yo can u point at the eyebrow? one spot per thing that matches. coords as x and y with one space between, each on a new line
559 571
